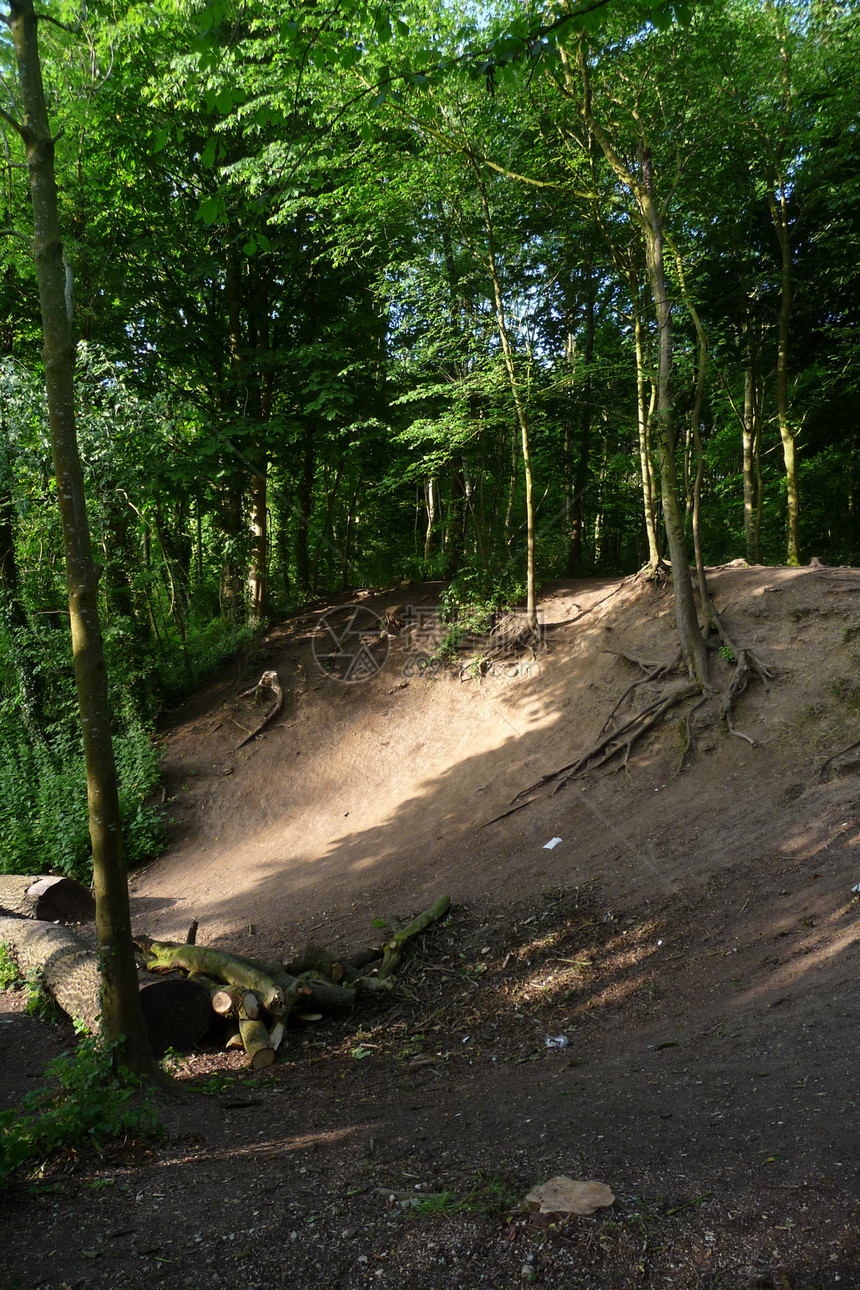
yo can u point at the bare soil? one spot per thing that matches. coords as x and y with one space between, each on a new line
666 1001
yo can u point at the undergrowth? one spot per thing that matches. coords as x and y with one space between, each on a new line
44 825
469 610
89 1105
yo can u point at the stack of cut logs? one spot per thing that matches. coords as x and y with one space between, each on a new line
184 985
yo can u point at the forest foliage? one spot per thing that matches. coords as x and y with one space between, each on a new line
363 294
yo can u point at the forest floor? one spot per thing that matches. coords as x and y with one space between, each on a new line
689 946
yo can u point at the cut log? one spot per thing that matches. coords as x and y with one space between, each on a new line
49 899
256 1042
176 1012
326 996
164 955
68 968
233 1001
323 963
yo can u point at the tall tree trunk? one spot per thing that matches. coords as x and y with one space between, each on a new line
692 641
580 478
430 506
648 217
306 494
779 215
749 435
516 393
122 1021
258 573
644 411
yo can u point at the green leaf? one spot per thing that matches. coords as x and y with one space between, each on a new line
382 27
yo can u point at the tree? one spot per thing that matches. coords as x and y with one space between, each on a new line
122 1020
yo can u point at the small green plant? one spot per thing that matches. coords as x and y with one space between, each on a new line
38 1001
468 609
89 1104
728 653
490 1194
215 1084
10 975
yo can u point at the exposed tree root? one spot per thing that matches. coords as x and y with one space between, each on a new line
616 741
270 682
653 672
841 753
747 665
688 732
611 744
511 636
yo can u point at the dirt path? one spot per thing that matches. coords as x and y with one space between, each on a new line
692 939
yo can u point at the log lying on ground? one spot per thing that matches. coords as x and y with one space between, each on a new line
325 964
68 968
256 1042
176 1011
187 984
166 955
50 899
393 950
319 964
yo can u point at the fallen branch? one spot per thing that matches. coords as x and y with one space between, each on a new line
166 955
394 948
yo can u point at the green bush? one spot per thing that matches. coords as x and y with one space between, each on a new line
89 1105
43 800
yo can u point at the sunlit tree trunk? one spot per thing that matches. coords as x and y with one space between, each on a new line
644 410
648 216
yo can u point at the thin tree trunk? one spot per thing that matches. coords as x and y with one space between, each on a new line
121 1018
789 453
430 505
648 217
516 393
748 435
326 529
574 554
306 494
644 410
692 641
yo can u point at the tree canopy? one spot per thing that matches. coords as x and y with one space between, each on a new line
362 293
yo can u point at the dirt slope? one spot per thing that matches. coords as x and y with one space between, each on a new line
366 796
692 939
